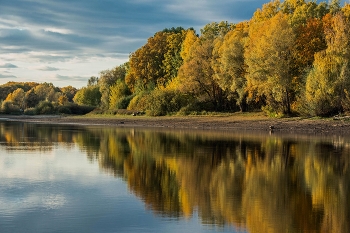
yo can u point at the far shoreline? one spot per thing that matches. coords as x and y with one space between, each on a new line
233 122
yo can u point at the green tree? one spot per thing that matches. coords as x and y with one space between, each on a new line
118 93
92 81
90 96
172 58
107 79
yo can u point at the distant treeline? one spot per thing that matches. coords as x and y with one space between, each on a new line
33 98
291 57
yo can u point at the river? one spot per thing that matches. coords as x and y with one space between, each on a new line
69 178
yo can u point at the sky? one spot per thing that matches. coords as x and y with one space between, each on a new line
65 42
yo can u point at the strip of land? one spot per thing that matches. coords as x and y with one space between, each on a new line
233 122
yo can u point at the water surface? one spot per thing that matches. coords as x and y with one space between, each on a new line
56 178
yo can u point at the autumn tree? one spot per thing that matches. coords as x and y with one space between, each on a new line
62 100
69 92
328 82
17 97
268 57
146 63
46 91
267 11
190 39
172 58
196 75
31 99
230 67
9 87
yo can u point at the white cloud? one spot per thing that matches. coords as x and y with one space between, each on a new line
8 66
48 68
58 30
83 37
6 76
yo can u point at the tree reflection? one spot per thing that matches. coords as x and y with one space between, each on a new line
259 183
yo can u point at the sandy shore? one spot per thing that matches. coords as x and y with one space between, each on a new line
249 122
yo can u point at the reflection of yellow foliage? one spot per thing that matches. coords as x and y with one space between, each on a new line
8 137
272 184
187 208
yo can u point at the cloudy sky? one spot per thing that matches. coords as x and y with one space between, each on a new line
67 41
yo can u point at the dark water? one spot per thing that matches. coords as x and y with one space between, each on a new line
103 179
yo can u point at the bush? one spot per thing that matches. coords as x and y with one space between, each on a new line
124 102
79 109
192 108
30 111
8 107
139 102
45 107
64 110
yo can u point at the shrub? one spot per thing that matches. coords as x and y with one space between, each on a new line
45 107
139 102
124 102
163 102
79 109
64 109
8 107
30 111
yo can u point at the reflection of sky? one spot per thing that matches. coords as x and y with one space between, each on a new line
61 191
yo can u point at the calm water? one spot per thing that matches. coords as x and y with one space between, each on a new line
103 179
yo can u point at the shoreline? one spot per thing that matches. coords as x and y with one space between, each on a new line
234 122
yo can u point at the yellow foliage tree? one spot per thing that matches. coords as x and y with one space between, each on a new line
268 57
230 67
17 97
329 81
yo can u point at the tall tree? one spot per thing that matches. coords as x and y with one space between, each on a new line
329 81
172 58
69 92
230 67
146 63
31 99
46 91
268 57
190 39
90 96
107 79
196 75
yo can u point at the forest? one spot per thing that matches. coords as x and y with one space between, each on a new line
291 58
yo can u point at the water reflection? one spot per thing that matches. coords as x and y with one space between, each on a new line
262 183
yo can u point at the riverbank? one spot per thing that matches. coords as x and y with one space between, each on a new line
233 122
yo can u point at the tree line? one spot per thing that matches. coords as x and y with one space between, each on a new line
39 98
290 58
